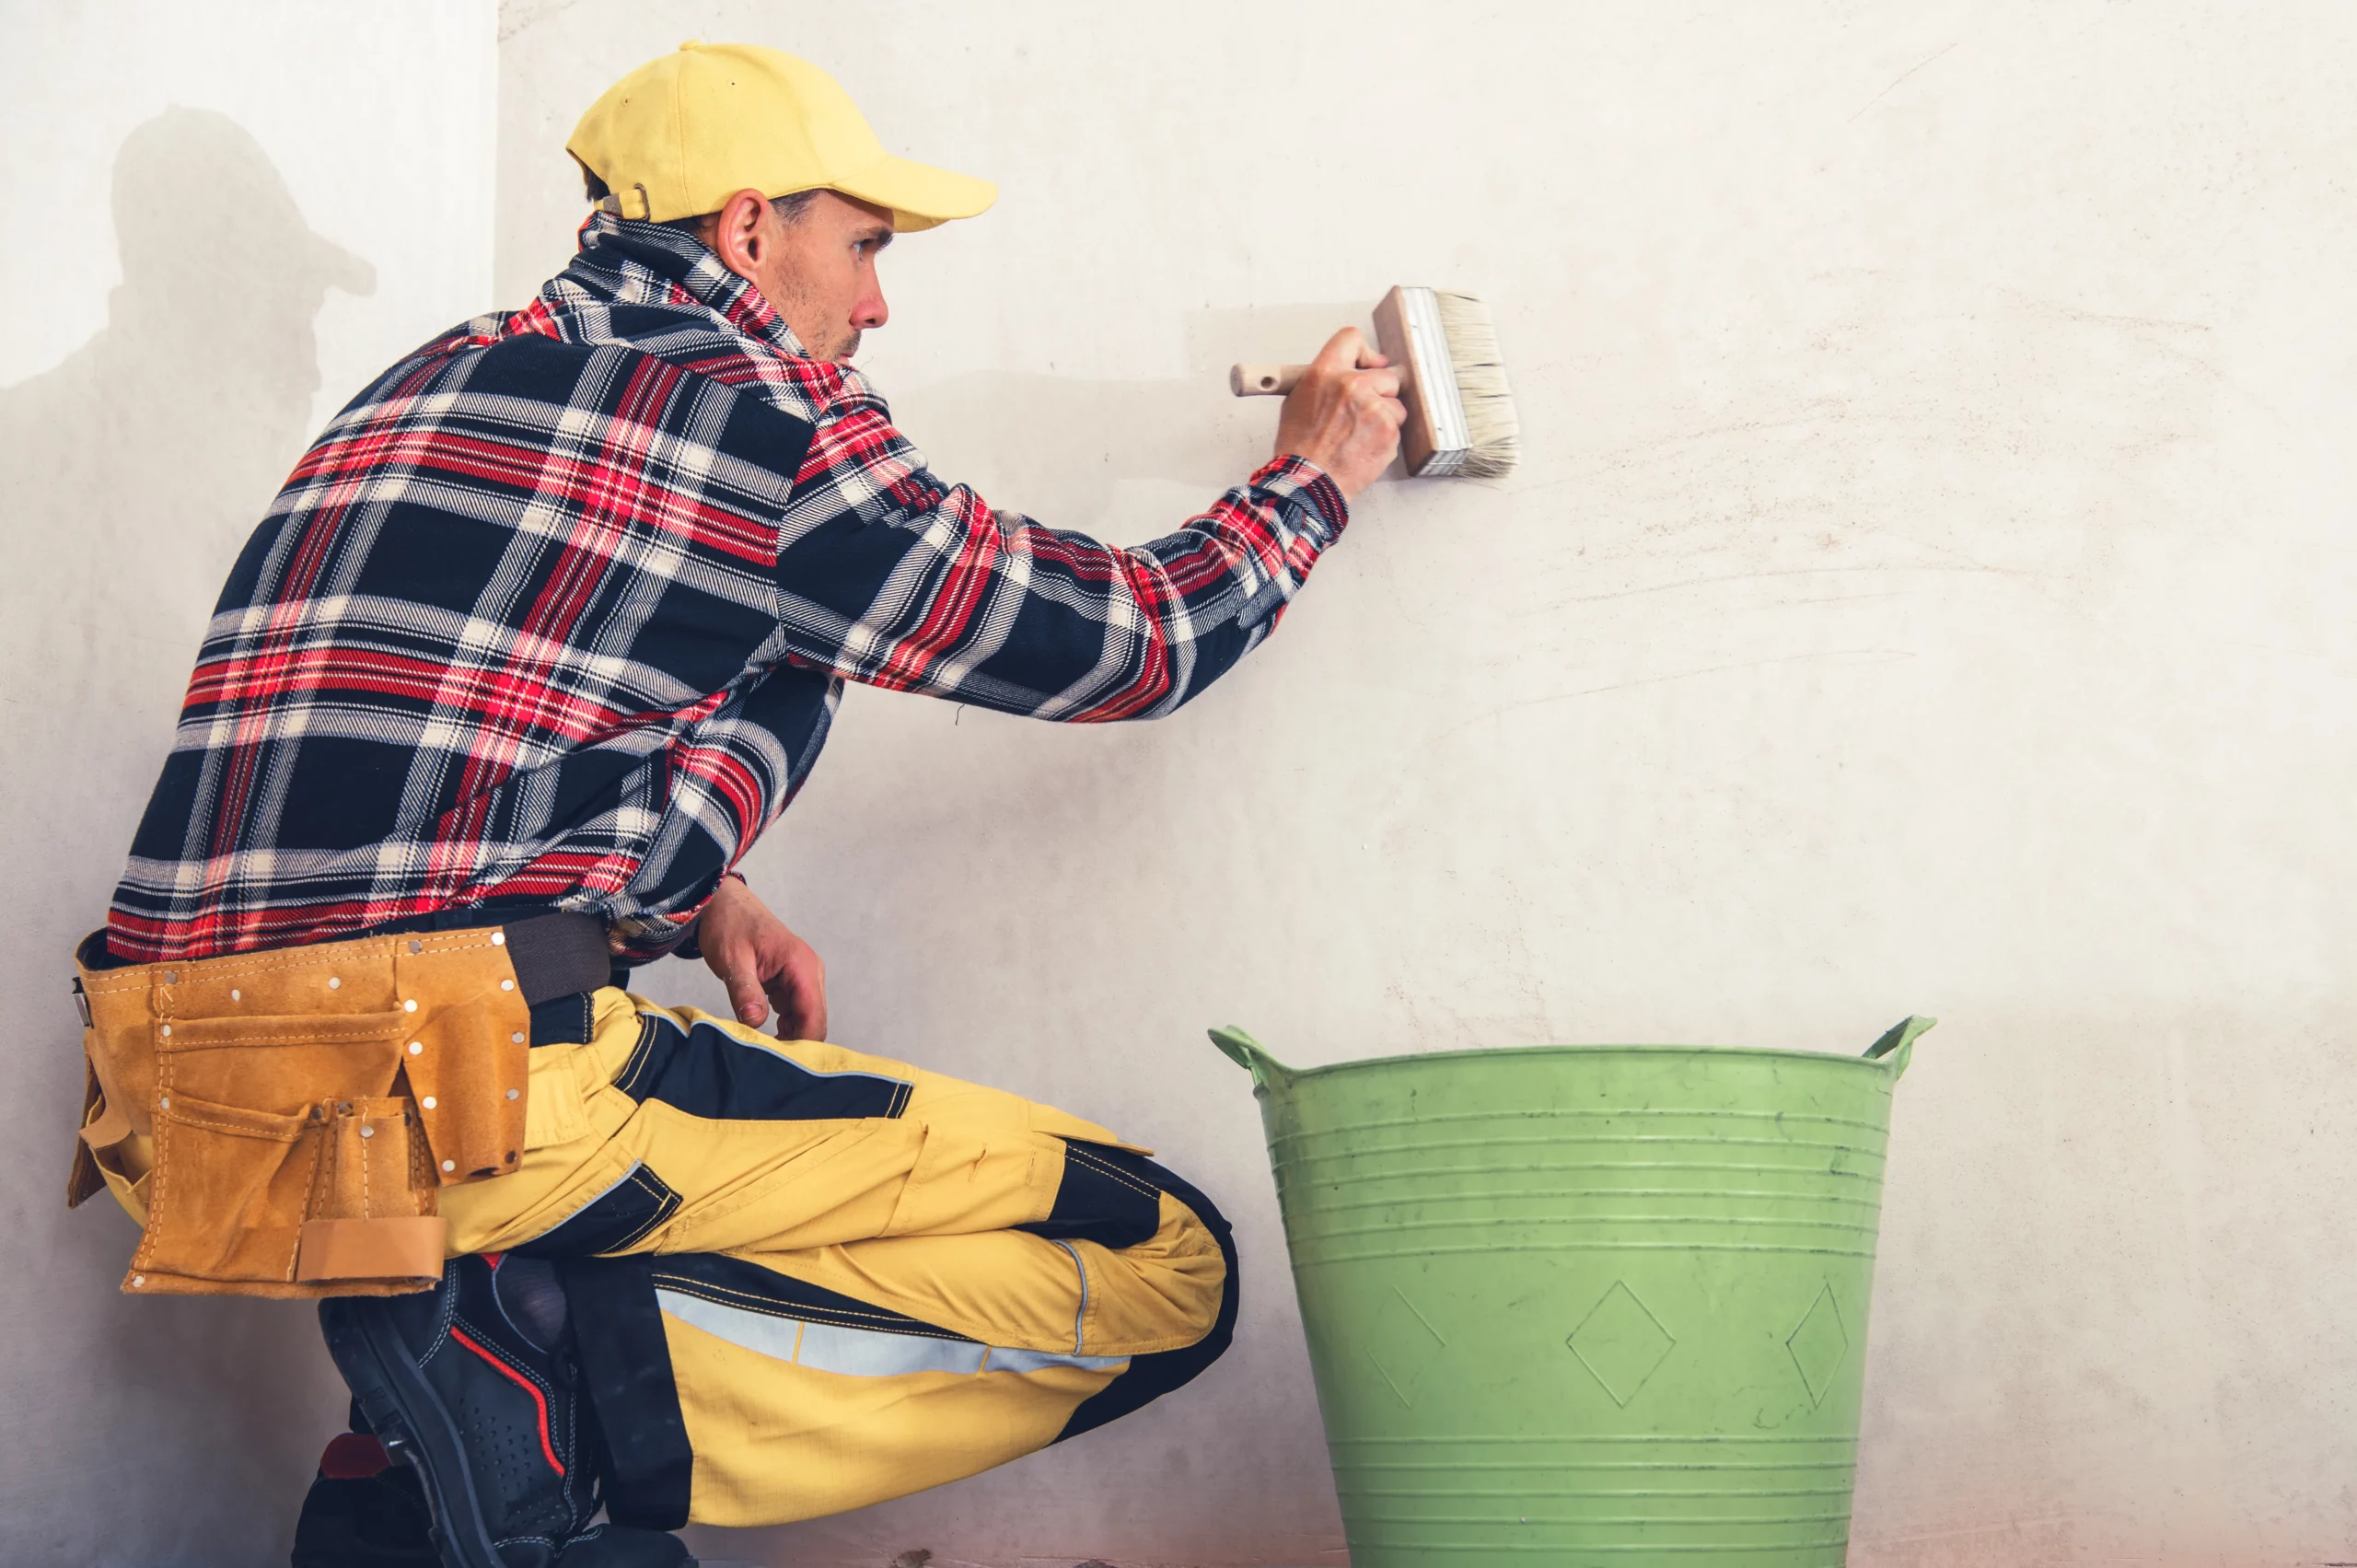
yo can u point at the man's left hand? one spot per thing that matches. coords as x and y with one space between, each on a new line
763 963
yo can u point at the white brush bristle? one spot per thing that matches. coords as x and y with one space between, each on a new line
1490 419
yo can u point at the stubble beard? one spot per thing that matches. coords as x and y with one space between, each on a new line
792 300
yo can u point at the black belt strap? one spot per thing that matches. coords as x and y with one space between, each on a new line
556 955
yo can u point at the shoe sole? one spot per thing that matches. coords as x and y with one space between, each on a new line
411 1421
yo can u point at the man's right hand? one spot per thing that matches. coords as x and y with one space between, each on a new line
761 962
1345 414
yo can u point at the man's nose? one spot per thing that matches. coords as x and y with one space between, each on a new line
871 312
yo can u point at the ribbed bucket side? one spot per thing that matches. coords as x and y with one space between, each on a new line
1586 1305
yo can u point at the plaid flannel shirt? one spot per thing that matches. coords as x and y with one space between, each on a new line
558 612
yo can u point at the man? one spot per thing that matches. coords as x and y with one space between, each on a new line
542 631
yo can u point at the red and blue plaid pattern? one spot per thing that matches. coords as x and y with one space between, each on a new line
558 612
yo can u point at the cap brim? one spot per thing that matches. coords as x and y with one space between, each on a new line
919 194
340 268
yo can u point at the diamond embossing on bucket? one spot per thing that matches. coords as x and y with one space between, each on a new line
1819 1345
1620 1342
1403 1345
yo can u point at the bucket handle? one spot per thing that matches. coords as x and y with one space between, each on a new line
1894 1050
1897 1044
1268 1073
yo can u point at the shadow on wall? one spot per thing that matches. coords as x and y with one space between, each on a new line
130 475
138 465
1057 447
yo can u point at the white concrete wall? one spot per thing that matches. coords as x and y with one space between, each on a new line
1925 591
157 380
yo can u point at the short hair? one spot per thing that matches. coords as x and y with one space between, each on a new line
789 208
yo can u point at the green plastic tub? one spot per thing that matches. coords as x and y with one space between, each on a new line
1587 1304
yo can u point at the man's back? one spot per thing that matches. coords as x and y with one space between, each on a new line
502 626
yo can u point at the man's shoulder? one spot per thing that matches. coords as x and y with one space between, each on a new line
691 339
490 379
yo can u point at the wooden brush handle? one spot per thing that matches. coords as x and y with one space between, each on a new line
1264 380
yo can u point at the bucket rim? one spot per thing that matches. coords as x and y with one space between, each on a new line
1836 1058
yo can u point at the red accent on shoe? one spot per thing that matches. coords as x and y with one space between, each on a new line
492 1258
354 1456
548 1449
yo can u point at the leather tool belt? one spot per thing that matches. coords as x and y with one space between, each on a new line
280 1123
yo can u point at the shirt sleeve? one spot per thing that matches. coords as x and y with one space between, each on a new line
889 577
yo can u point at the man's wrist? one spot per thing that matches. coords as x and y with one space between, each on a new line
691 942
1291 476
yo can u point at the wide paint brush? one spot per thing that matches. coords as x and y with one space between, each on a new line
1460 411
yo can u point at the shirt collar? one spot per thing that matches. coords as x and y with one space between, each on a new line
660 259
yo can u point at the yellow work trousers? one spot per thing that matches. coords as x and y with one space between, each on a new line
804 1280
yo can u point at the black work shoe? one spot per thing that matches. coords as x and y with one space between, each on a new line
619 1546
452 1385
363 1511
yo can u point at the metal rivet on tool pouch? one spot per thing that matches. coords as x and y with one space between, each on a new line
334 983
235 996
415 1046
367 1131
449 1165
515 1093
171 977
516 1038
427 1102
506 986
408 1007
499 939
417 947
138 1280
168 1031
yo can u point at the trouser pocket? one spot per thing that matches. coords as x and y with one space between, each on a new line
962 1184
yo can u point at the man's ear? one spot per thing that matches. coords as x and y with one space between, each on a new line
737 234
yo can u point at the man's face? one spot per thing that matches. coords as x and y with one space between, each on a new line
818 272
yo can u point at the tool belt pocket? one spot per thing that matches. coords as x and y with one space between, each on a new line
338 1192
341 1192
298 1115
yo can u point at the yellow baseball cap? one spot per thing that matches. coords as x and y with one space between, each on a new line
679 135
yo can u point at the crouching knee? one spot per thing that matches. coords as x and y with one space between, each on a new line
1183 1255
